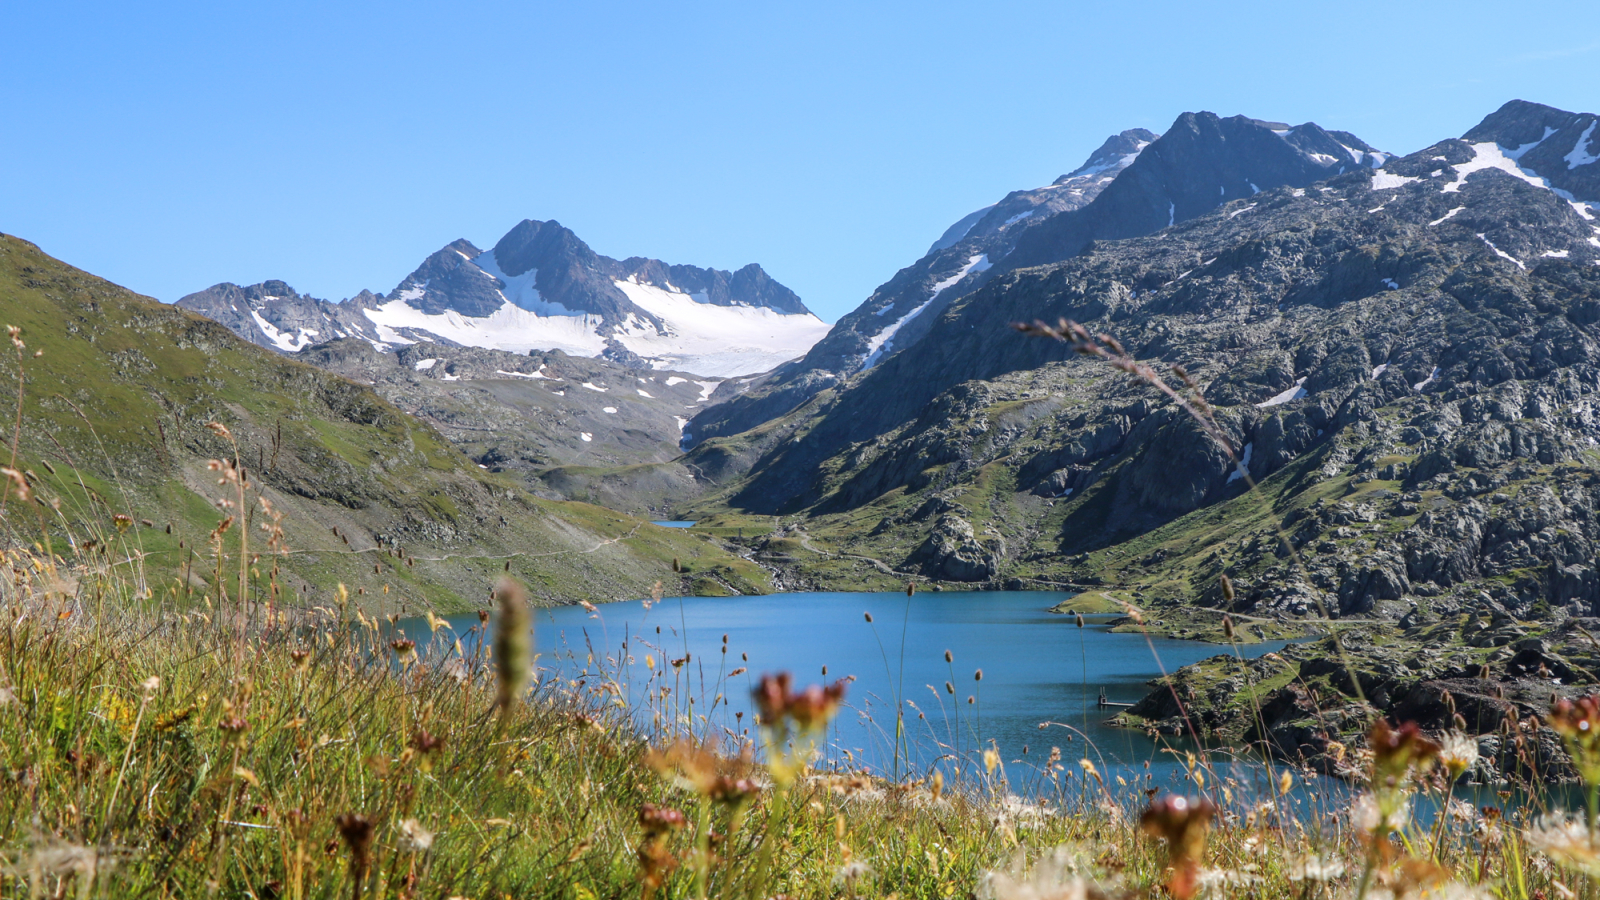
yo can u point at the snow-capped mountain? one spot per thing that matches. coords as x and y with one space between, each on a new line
1136 183
542 288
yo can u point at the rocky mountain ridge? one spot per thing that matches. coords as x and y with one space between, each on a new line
542 288
1136 184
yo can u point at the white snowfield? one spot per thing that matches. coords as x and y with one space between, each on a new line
718 341
1489 155
694 335
509 328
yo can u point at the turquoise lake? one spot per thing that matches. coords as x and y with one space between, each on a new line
1038 667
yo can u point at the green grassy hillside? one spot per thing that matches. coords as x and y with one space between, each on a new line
118 393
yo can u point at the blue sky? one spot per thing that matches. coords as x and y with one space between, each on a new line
171 146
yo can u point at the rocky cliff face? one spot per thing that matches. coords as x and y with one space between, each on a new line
542 288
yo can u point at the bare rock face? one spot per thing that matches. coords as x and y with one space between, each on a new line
954 553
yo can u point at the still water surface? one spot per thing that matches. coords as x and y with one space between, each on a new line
1038 667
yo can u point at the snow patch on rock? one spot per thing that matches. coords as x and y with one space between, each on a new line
1581 155
281 339
1502 253
1294 393
1383 181
882 343
1244 463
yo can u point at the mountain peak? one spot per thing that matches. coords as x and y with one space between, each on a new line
1117 151
1520 122
1561 147
542 288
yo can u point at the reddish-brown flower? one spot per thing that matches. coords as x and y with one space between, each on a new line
808 709
1182 823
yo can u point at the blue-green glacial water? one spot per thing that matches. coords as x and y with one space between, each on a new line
1038 669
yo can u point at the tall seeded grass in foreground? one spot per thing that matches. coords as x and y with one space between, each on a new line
230 747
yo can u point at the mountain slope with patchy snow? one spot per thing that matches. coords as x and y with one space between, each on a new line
1137 183
541 288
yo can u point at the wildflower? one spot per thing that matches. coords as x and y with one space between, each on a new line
1578 723
659 819
358 833
1457 753
1396 750
1314 868
1567 841
301 658
811 708
233 728
404 649
1225 882
850 873
1370 815
414 838
655 861
733 791
1182 823
1052 877
814 706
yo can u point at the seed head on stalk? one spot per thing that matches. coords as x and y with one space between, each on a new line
513 644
